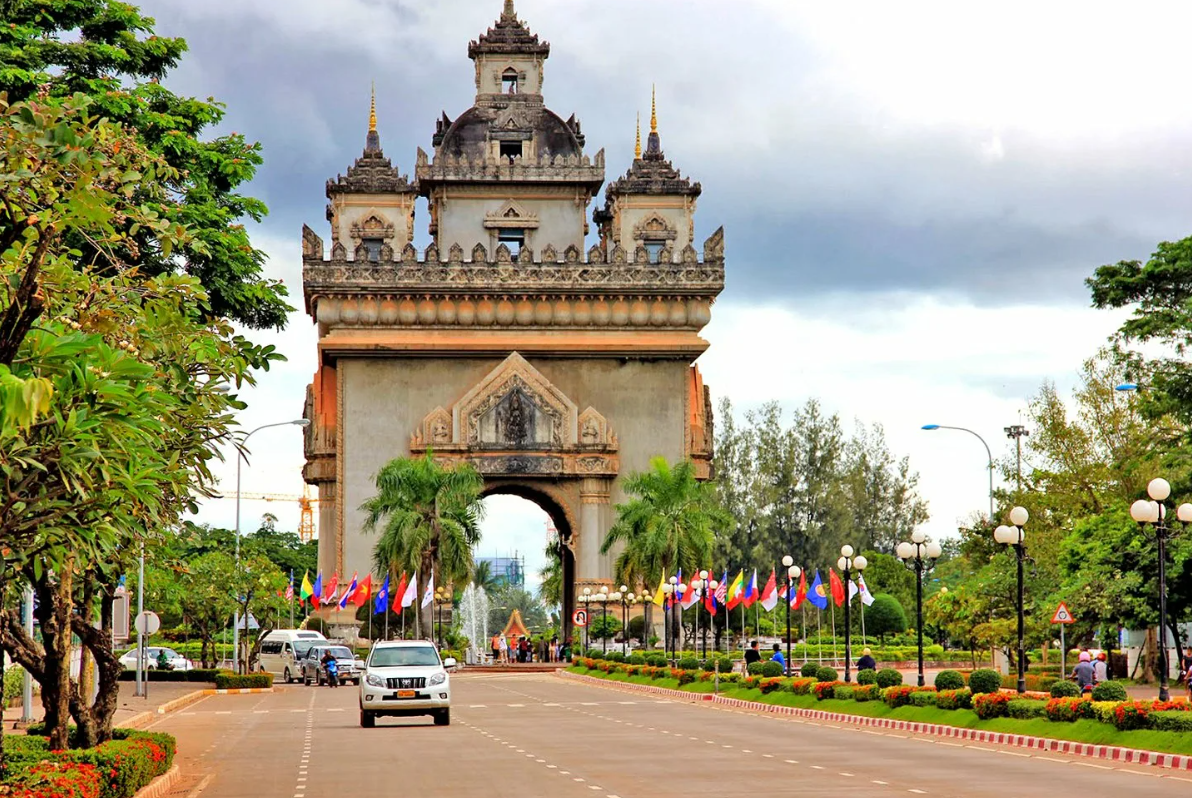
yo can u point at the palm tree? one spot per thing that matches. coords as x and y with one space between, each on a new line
483 577
429 520
669 524
551 589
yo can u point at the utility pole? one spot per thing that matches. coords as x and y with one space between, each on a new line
1016 433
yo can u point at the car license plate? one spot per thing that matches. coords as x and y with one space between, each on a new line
406 693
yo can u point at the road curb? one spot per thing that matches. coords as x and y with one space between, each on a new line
160 785
237 691
1133 756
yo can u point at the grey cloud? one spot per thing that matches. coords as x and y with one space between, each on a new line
817 197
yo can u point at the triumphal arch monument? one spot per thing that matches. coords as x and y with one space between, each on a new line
554 362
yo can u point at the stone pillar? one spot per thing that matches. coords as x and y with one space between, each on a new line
595 519
329 537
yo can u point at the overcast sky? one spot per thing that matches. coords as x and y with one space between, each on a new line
913 193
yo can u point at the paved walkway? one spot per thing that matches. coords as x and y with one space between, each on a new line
130 704
528 735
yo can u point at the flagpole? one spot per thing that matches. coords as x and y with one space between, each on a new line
819 633
803 626
291 598
832 609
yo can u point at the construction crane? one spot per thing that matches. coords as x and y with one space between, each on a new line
306 504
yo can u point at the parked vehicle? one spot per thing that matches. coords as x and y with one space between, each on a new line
314 671
282 651
176 661
403 678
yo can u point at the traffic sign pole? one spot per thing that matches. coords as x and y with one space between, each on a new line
1063 617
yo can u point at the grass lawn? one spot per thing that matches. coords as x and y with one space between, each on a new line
1082 731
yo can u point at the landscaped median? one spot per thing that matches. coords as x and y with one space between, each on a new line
980 707
115 769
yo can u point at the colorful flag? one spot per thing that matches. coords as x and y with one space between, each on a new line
316 591
837 587
407 598
347 596
750 590
736 590
801 593
382 597
866 596
400 595
290 592
331 586
722 589
691 597
364 592
818 595
769 597
307 590
429 595
660 593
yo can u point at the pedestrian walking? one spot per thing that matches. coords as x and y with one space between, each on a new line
496 646
503 645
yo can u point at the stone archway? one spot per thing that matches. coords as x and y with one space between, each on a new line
556 503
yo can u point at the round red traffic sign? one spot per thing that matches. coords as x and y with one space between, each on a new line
580 617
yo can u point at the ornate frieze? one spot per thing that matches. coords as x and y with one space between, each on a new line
570 168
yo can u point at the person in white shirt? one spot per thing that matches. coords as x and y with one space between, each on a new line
1100 669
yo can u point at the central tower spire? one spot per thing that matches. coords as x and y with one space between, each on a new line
372 142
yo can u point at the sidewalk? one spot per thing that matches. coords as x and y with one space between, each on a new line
129 705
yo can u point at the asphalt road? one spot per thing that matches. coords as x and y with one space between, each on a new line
538 735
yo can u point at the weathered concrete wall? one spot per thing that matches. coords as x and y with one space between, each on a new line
386 399
560 219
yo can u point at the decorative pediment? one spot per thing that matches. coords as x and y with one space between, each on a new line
654 228
516 407
511 215
435 429
372 225
594 430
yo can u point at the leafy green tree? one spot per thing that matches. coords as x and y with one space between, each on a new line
507 598
604 627
889 575
206 602
108 51
129 366
551 588
428 516
885 616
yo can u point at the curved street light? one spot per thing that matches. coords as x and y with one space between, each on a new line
848 563
1013 536
988 452
1154 513
298 422
919 555
792 573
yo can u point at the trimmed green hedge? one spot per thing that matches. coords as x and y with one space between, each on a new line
1024 708
985 680
888 677
225 680
867 676
1109 691
949 680
196 675
1064 689
115 769
1171 720
825 674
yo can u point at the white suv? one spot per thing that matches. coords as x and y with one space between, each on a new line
404 678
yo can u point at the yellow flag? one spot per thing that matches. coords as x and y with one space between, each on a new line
659 595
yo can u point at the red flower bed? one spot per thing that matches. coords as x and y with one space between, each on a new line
990 705
58 780
900 695
1068 710
824 690
771 685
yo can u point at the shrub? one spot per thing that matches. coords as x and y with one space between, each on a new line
57 779
985 680
888 677
809 669
1110 691
825 674
1171 720
949 680
1065 689
867 692
899 695
925 698
844 692
771 685
1131 715
935 652
636 658
226 680
955 699
772 669
595 653
688 664
990 705
656 660
730 678
754 668
684 676
1066 709
1026 708
752 682
615 656
824 690
1104 710
801 686
867 676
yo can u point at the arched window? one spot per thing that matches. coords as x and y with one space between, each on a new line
509 80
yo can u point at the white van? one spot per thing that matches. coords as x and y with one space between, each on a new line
282 649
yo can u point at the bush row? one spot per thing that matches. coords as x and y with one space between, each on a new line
154 675
226 680
983 695
115 769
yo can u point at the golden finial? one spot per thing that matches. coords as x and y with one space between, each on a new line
372 111
653 109
509 12
637 148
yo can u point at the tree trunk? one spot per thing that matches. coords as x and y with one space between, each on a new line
86 737
3 648
95 719
56 607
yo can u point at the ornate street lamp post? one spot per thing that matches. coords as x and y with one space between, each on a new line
1154 513
704 584
586 599
626 599
792 573
677 626
1013 536
603 593
668 590
919 556
848 563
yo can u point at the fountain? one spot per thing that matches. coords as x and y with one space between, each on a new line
473 616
